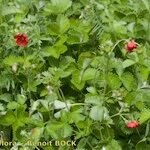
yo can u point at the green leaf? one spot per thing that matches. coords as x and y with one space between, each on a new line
144 116
79 32
81 144
143 146
59 104
43 92
144 73
84 60
58 129
61 25
107 133
58 6
130 98
128 62
129 81
114 81
6 97
118 65
97 113
21 99
53 28
22 118
147 4
12 105
10 60
7 119
32 86
2 108
119 27
93 99
76 80
91 90
113 145
56 50
67 131
36 133
66 62
89 74
76 116
131 26
10 10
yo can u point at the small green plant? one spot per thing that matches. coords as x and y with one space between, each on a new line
75 71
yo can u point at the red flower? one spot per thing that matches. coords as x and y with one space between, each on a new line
21 39
130 46
133 124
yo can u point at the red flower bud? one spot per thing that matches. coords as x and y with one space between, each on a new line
133 124
130 46
21 39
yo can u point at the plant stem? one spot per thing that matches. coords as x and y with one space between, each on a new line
117 44
63 98
75 104
106 76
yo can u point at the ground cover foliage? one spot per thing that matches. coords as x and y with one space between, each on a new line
75 70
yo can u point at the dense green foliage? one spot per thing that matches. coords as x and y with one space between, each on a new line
74 80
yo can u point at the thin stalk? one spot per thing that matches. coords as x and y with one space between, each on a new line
138 132
106 76
76 104
63 98
117 44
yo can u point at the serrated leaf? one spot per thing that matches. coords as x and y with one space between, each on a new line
114 81
60 105
21 99
12 105
43 92
118 67
97 113
10 60
113 145
6 97
53 28
127 63
79 33
76 116
84 60
147 4
7 119
61 25
2 108
89 74
91 90
58 6
10 10
129 81
36 133
22 118
144 116
144 72
76 80
56 50
143 146
93 99
130 98
58 129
